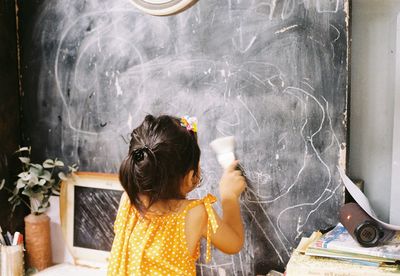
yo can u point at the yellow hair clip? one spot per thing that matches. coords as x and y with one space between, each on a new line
190 123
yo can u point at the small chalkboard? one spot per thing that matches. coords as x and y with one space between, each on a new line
94 215
89 205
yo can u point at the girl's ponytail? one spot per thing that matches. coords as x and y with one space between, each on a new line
161 153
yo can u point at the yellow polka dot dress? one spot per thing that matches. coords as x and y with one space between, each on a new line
156 245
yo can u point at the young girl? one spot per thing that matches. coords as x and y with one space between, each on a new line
158 230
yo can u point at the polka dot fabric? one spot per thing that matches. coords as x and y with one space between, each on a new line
156 245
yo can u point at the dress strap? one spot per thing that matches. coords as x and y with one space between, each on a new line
212 224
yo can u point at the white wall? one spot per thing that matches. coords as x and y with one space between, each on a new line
373 56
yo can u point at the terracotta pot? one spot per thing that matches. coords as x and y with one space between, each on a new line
37 241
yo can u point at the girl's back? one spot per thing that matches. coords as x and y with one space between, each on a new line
160 244
157 230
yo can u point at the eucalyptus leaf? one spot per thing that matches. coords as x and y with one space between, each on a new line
59 163
38 181
39 196
25 176
31 184
25 160
34 180
36 168
48 163
73 168
62 176
21 183
27 192
41 210
24 149
45 175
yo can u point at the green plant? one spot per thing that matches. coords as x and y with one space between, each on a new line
37 181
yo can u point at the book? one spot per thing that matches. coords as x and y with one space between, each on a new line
304 265
346 256
339 242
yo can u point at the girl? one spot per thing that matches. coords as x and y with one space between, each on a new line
158 230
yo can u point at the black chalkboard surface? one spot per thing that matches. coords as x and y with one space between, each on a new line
272 73
95 212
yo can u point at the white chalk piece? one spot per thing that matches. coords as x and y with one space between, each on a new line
224 148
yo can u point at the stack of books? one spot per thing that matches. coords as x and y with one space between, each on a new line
336 253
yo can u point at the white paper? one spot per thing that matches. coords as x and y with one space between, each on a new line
362 200
60 252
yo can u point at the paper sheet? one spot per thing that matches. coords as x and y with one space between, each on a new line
362 200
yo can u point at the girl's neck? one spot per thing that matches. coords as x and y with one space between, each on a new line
162 206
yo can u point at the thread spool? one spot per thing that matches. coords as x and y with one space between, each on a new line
360 225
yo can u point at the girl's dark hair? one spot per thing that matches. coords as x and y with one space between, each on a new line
161 153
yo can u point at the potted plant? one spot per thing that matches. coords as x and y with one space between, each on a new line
37 182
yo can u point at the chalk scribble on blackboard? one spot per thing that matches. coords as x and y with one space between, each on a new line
272 73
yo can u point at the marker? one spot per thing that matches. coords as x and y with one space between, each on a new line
7 241
20 239
16 238
9 237
2 241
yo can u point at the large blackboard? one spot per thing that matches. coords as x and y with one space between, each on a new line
273 73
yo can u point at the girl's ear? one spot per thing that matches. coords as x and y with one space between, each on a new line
188 184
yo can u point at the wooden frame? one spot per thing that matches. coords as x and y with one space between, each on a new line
83 256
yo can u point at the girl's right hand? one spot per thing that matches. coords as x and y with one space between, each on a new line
232 182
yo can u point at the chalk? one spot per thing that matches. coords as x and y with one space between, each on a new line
224 148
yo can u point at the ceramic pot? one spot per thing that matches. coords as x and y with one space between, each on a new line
37 241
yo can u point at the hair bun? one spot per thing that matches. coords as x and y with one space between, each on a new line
138 154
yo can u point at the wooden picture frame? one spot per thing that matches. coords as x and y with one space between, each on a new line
84 256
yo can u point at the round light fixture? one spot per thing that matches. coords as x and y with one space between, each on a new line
163 7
